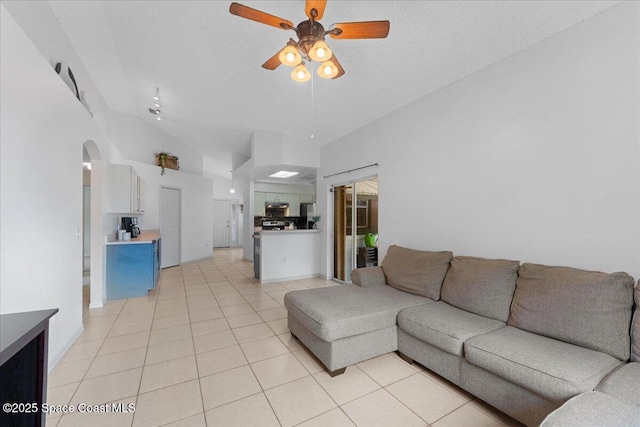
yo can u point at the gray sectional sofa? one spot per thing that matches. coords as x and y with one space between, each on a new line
524 338
615 401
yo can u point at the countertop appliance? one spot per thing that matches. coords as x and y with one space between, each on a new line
276 209
307 211
130 225
273 225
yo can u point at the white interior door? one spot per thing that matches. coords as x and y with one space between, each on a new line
221 229
169 227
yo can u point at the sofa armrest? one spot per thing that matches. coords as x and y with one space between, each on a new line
368 276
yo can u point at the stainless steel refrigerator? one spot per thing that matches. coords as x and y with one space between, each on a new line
307 211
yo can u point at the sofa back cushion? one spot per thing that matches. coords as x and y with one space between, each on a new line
635 328
481 286
586 308
416 272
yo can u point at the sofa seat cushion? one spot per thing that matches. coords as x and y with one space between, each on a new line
553 369
416 272
593 409
444 326
481 286
346 310
586 308
623 383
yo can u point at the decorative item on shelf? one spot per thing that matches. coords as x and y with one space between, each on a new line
371 240
316 220
62 68
167 161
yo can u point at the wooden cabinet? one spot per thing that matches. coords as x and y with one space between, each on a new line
367 257
23 366
124 190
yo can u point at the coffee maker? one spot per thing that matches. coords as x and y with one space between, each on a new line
130 225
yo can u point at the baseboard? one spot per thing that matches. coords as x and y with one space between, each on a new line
55 359
286 279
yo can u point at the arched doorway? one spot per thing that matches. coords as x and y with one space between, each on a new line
97 292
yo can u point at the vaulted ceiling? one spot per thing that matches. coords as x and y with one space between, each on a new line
207 62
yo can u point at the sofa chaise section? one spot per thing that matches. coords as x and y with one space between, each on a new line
346 324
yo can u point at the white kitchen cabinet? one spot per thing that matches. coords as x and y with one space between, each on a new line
294 204
258 203
294 200
140 195
271 197
123 190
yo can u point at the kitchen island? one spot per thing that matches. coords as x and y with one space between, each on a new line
133 266
286 255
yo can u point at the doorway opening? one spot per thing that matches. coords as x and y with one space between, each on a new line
170 226
225 223
86 229
93 259
355 227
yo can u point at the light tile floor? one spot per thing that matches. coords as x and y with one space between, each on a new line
211 347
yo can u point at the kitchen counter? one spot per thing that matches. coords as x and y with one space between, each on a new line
257 234
145 237
286 254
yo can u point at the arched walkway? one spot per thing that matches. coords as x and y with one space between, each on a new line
98 256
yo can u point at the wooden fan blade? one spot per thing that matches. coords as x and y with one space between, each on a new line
273 62
259 16
338 66
318 5
360 30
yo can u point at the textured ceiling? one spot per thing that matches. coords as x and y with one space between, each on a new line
207 62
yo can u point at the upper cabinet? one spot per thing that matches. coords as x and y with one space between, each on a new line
125 190
294 204
258 203
260 198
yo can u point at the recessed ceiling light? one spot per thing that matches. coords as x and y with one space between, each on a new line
283 174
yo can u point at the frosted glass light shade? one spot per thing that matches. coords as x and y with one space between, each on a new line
301 74
327 70
320 51
290 56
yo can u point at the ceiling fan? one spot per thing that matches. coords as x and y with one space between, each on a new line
311 45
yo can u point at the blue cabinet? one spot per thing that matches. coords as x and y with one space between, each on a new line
132 269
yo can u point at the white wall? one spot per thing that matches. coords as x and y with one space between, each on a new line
43 129
534 158
38 21
139 140
196 209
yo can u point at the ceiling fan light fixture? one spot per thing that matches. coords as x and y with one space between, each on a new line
320 51
301 74
290 56
328 70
